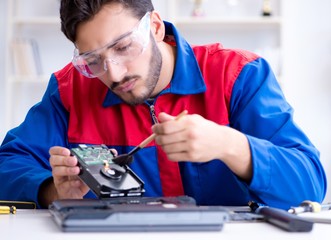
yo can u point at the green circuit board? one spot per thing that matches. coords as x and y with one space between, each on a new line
93 155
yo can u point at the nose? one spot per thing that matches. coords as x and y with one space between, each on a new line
114 70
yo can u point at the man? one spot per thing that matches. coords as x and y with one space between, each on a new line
130 76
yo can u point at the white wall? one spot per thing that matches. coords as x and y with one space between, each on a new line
2 67
307 69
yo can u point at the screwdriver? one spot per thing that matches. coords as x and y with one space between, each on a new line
309 206
7 209
281 218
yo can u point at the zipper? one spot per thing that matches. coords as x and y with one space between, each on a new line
150 103
152 111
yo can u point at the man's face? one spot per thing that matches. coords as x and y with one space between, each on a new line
111 44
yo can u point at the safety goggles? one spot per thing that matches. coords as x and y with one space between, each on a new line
121 51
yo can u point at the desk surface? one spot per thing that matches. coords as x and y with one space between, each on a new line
38 224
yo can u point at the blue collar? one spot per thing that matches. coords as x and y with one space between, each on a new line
187 78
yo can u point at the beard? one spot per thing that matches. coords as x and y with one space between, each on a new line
151 81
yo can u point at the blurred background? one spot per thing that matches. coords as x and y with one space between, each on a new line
294 36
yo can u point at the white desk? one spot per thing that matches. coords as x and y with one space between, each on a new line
39 225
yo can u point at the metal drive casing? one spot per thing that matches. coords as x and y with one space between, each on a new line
105 178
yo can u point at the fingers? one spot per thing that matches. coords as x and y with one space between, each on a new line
169 124
169 138
58 171
65 174
164 117
186 138
59 151
178 156
60 156
62 163
171 133
114 151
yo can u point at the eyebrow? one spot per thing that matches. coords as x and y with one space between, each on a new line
109 45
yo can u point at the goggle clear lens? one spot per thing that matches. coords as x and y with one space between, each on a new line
126 49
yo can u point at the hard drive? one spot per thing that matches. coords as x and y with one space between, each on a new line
105 178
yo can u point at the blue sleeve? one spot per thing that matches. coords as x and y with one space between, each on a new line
24 158
286 165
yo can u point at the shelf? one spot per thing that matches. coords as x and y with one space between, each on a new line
244 21
245 29
29 79
36 20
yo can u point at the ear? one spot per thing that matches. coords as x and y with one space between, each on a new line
157 27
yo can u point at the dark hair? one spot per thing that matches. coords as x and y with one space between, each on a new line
73 12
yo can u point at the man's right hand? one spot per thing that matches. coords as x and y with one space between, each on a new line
65 175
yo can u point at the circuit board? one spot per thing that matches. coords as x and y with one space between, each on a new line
94 155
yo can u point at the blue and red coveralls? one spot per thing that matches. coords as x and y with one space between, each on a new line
230 87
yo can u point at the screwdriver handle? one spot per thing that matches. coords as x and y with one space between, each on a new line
306 206
285 220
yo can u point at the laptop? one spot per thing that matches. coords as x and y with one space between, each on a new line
137 214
